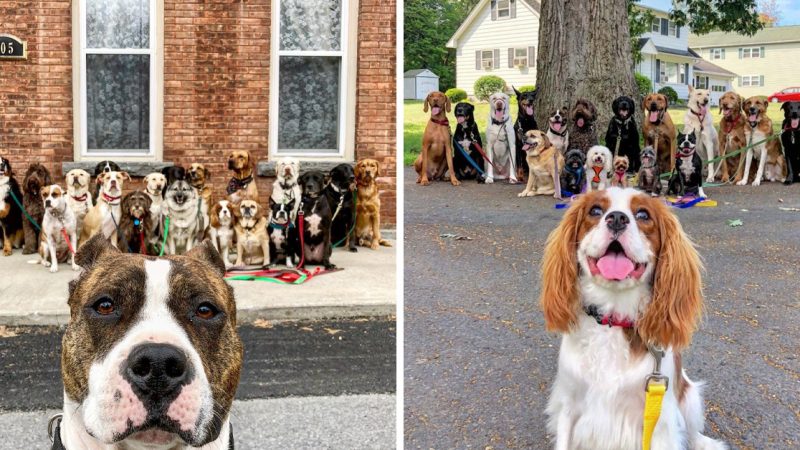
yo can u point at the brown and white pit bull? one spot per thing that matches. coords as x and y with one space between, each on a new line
99 218
151 357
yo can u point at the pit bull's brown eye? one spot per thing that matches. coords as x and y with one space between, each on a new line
206 311
104 306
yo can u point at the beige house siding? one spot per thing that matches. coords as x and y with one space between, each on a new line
502 34
780 66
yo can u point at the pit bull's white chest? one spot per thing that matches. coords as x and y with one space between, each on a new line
687 168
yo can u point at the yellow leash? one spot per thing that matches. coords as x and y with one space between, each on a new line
656 386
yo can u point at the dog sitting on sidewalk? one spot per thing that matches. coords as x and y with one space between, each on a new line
58 225
35 179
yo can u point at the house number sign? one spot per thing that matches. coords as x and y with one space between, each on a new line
12 47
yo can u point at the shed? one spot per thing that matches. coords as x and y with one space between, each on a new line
417 84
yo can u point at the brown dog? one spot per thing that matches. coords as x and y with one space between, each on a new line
242 185
437 149
757 128
658 128
199 177
544 164
35 179
731 132
368 205
618 177
135 225
252 241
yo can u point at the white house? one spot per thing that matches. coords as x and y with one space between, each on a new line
498 37
417 84
489 43
714 78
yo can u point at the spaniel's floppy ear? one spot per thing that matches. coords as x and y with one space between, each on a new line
427 100
675 307
559 297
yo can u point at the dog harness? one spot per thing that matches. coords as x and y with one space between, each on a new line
620 175
621 125
236 184
55 434
597 172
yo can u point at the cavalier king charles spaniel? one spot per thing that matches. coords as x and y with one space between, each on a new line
621 283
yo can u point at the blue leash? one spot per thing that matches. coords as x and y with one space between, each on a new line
466 155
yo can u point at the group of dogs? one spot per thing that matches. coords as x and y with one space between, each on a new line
175 212
566 159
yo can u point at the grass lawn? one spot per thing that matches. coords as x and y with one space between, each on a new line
415 120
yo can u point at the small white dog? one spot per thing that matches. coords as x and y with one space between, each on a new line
58 220
698 119
598 166
285 187
221 230
501 140
78 197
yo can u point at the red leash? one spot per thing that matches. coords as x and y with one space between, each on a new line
66 238
480 150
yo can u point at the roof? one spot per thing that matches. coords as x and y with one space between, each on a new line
706 67
415 72
768 35
473 14
689 53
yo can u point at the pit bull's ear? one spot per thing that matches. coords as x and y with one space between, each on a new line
427 99
207 253
93 250
125 175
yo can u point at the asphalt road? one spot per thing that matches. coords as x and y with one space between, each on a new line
479 364
305 384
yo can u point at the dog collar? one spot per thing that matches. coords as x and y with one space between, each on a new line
608 319
679 155
80 198
623 123
562 134
499 122
277 226
577 171
443 122
730 124
109 198
237 184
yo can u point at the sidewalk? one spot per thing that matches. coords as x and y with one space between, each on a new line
30 295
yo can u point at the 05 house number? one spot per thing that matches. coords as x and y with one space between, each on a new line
6 48
12 47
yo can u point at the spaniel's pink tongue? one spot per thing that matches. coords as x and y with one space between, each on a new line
498 114
556 126
436 110
654 116
795 123
461 119
529 110
615 266
752 117
580 122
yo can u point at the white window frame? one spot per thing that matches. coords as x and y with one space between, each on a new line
700 82
655 26
715 53
751 80
672 28
523 59
507 9
490 60
347 97
80 117
751 52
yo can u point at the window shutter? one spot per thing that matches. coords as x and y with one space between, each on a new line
531 56
510 58
496 64
658 71
722 56
762 52
761 80
708 82
478 60
513 8
686 73
741 50
740 81
664 27
677 31
494 9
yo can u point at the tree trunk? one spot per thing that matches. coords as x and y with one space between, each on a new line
584 51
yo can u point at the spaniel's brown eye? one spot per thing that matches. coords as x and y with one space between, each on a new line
206 311
596 211
642 215
104 306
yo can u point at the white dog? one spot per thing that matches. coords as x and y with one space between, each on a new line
698 119
501 140
285 187
598 166
58 220
557 130
221 230
181 208
78 197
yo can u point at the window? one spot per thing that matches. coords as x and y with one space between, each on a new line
717 53
750 52
718 88
520 57
656 25
310 61
669 72
672 28
752 80
503 9
682 71
487 59
117 79
700 82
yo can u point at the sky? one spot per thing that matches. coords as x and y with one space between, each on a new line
790 9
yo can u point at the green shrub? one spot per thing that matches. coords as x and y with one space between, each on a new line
456 95
487 85
670 93
644 84
527 88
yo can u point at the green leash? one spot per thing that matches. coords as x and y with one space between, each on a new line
16 200
353 228
166 232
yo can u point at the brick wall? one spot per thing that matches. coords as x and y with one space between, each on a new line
376 90
36 93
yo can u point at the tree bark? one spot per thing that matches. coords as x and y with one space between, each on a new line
584 52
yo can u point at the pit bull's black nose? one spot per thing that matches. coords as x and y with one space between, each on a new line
47 203
617 221
157 370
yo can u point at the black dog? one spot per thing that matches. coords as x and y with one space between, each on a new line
284 241
573 175
622 137
340 198
686 177
102 167
10 212
468 137
790 138
173 174
526 121
35 179
316 220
